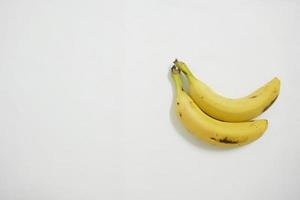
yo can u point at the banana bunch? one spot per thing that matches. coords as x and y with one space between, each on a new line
219 120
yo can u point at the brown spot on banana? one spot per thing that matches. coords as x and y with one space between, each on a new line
180 115
225 140
178 103
228 141
253 97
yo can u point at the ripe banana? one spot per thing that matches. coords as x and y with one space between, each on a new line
215 132
227 109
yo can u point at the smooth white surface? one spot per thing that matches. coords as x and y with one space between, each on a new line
85 99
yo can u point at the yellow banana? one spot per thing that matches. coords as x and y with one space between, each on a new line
227 109
211 130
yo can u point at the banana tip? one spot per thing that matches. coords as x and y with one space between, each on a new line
175 70
277 79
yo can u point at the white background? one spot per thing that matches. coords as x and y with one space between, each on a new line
86 99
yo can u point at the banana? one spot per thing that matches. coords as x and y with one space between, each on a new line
226 134
227 109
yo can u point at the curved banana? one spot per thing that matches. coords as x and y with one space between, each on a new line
227 109
210 130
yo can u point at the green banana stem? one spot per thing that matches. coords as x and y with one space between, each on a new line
184 68
175 72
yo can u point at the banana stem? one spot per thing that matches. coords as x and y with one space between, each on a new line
184 68
176 78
